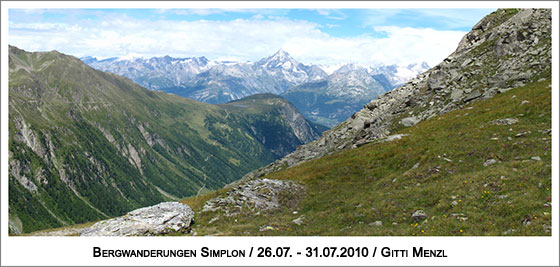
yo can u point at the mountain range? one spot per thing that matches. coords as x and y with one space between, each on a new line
464 148
86 145
222 81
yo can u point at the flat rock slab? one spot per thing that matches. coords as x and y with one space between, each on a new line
163 218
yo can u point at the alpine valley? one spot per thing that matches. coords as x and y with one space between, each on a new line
86 145
464 148
324 96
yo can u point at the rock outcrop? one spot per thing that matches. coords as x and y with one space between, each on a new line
163 218
160 219
256 196
506 49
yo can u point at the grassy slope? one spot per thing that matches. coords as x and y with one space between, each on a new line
349 190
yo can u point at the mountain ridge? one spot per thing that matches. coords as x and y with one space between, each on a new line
339 95
351 85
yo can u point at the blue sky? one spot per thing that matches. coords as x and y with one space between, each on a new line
320 36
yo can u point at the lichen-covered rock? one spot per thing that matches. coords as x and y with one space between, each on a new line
256 196
163 218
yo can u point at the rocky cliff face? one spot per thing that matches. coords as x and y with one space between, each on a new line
267 115
506 49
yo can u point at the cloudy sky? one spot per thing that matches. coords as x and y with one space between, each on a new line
319 36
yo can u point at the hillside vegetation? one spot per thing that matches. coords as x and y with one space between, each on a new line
86 145
438 167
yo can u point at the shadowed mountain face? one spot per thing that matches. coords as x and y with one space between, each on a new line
86 145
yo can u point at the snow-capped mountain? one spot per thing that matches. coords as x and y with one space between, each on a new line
156 73
222 81
212 81
396 74
335 98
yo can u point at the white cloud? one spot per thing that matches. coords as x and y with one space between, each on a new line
244 39
331 14
442 18
33 11
324 12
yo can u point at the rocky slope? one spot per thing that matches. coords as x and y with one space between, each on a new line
506 49
484 169
87 145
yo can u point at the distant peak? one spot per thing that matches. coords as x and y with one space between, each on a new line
90 58
281 51
280 59
352 66
281 54
419 66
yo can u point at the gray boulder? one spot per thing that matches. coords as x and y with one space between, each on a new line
489 162
409 121
162 218
418 215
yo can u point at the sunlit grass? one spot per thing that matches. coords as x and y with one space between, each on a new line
346 192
